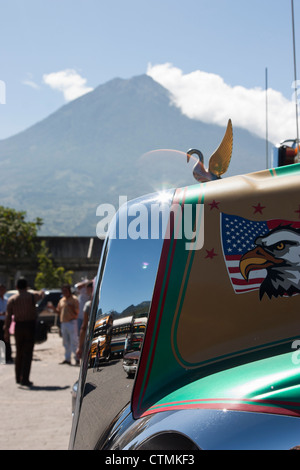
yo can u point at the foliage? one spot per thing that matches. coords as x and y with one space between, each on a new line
49 276
17 236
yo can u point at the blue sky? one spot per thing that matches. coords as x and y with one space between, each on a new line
54 50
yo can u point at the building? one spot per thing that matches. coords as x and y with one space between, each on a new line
78 254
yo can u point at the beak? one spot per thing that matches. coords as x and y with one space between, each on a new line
258 258
188 157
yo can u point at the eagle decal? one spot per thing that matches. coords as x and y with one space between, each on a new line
262 256
279 253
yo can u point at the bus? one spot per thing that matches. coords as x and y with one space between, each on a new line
101 343
120 329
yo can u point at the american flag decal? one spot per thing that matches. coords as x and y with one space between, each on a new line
238 236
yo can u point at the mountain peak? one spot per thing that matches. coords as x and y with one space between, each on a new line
138 86
89 152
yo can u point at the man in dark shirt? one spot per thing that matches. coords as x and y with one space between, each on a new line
22 307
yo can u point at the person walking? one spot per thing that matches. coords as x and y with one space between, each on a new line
86 315
22 307
3 303
68 310
83 295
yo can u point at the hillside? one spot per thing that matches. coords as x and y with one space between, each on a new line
93 149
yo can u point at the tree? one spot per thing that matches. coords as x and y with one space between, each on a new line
49 276
18 238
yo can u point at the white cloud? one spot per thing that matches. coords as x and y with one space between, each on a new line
205 96
31 83
69 82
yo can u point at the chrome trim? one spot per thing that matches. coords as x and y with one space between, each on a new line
206 429
124 288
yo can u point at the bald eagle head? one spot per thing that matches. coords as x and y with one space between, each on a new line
279 253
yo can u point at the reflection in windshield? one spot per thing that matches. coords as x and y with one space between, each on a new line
127 284
118 320
134 342
101 342
116 335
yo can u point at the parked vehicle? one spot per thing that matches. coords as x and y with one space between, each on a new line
133 343
130 362
218 367
121 328
10 293
46 307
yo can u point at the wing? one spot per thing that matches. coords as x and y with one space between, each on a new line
220 159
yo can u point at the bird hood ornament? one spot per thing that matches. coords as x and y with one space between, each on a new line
218 162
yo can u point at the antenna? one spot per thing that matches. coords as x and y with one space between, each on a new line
295 75
267 143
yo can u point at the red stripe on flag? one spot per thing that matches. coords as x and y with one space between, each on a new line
242 282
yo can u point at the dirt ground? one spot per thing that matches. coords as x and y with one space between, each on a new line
40 417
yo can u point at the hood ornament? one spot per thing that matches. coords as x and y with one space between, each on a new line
218 162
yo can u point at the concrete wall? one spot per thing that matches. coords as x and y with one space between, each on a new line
78 254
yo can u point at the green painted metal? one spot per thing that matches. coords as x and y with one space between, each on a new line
269 383
287 170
